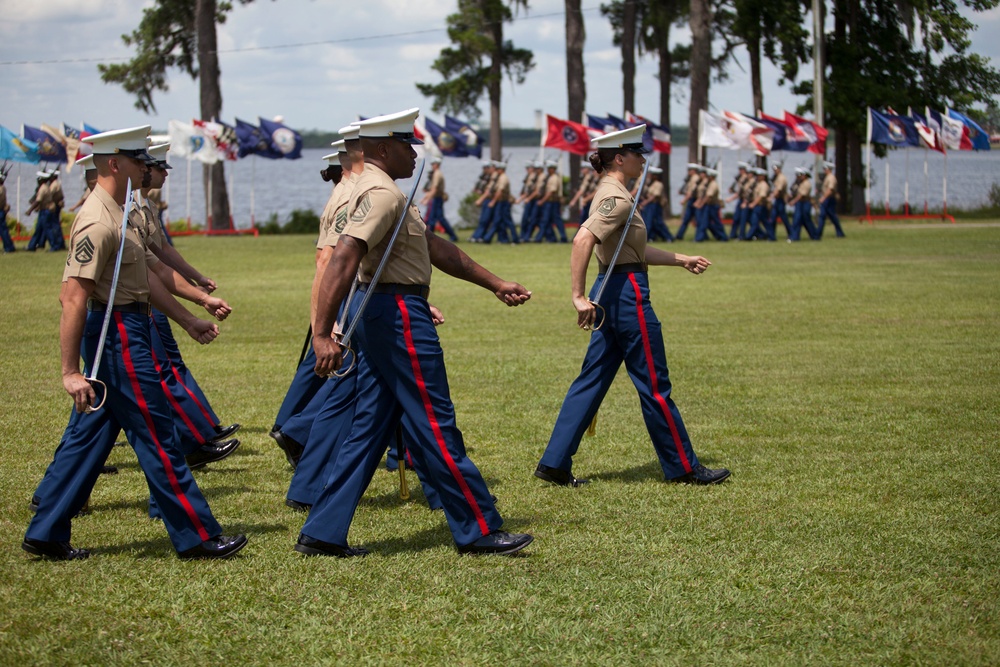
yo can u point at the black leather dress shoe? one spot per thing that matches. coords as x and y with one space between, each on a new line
498 542
702 475
224 432
211 452
297 506
109 470
217 547
292 449
558 476
311 547
54 550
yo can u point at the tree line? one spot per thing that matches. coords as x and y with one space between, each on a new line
879 53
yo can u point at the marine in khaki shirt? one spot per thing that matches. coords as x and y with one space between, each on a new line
779 188
829 186
760 192
612 203
373 209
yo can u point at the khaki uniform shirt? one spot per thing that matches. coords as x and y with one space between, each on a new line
746 189
93 248
656 192
553 184
539 186
373 210
55 195
326 218
43 198
341 197
712 193
528 184
502 186
700 188
145 219
804 188
691 187
612 203
760 191
780 186
829 185
437 183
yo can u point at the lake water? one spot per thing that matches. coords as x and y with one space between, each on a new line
280 186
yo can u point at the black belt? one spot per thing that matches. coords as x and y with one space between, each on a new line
636 267
96 306
397 288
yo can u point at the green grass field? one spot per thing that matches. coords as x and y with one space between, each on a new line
851 386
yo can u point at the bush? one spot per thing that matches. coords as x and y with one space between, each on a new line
301 221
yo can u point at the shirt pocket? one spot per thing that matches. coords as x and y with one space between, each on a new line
414 223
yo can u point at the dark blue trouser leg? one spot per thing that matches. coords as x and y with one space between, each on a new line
304 386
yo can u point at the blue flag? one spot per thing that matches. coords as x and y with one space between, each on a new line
980 139
449 144
13 147
284 140
50 149
461 130
600 123
892 130
253 142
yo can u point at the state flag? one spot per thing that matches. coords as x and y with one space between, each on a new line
566 136
892 129
656 137
286 141
979 140
17 149
473 143
50 149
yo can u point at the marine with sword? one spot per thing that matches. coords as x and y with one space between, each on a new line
109 284
623 324
401 372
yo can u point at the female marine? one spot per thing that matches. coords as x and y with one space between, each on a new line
627 328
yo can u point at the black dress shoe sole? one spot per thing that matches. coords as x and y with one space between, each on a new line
208 556
573 482
215 458
489 551
688 479
226 433
79 554
297 506
349 552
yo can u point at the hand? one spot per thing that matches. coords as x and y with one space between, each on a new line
696 265
202 331
512 294
586 312
217 308
77 386
329 355
207 283
437 317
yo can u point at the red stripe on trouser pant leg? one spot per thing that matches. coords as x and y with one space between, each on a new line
180 381
661 401
173 401
435 427
144 409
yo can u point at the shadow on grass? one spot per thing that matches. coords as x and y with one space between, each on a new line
162 548
212 493
641 473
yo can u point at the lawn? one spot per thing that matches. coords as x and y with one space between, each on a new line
851 386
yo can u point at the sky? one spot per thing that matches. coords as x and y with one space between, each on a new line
303 60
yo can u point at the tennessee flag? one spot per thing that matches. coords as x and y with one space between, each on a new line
566 136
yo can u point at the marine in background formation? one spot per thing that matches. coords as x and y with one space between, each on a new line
436 196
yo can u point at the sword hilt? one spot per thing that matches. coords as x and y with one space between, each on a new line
347 349
95 408
604 315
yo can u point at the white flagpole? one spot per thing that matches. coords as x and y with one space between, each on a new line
189 194
887 183
944 184
541 143
927 185
868 170
906 187
208 212
253 187
232 194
